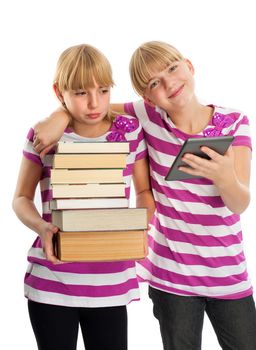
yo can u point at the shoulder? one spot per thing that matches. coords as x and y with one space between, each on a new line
124 127
229 115
142 110
226 121
230 121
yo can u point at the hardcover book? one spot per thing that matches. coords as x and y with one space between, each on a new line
65 176
101 246
88 191
89 203
89 161
93 147
100 219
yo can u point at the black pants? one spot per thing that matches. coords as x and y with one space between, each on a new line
56 327
181 321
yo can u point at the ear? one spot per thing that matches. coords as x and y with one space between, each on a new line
57 92
190 66
148 101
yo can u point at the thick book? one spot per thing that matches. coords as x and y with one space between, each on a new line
89 203
100 219
93 147
88 191
102 246
65 176
89 161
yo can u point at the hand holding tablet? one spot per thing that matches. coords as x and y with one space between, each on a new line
193 145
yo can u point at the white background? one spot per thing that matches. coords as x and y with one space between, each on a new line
219 38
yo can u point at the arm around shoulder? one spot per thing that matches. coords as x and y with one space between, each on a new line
49 131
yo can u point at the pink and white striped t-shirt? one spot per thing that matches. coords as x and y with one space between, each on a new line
95 284
195 241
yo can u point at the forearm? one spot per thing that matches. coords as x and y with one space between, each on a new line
117 108
145 199
28 214
236 196
50 130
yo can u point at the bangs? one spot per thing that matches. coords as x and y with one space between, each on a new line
149 59
83 69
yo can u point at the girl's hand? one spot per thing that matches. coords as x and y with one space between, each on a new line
49 131
39 145
220 169
47 233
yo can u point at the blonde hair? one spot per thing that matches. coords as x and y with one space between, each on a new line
80 66
150 57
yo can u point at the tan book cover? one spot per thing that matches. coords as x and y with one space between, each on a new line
89 203
102 246
100 219
88 191
93 147
89 161
65 176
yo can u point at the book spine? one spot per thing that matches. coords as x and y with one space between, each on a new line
100 219
93 147
89 161
88 191
102 246
89 203
99 176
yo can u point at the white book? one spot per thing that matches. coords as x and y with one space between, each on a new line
93 147
93 176
100 219
88 191
89 203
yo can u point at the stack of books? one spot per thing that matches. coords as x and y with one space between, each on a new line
89 204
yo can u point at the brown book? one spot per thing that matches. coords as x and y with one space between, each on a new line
102 246
89 161
93 147
65 176
80 203
100 219
88 191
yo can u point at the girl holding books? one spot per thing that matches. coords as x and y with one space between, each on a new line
196 262
94 295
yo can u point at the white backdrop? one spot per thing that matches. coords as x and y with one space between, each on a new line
219 38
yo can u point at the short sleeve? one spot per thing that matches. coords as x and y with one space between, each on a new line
242 133
28 150
141 149
129 109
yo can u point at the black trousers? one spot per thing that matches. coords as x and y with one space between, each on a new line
56 327
181 320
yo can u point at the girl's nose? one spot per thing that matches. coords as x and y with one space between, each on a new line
168 82
93 102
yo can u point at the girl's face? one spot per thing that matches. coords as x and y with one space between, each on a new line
173 88
88 106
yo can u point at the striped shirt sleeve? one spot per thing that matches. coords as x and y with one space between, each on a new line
28 151
242 133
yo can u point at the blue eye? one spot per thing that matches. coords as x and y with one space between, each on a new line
80 93
173 68
154 84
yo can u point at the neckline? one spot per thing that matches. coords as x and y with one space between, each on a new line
71 131
185 135
120 126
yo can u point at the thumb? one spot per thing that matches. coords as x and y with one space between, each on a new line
229 151
52 228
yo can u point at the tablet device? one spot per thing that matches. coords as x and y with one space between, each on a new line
193 145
